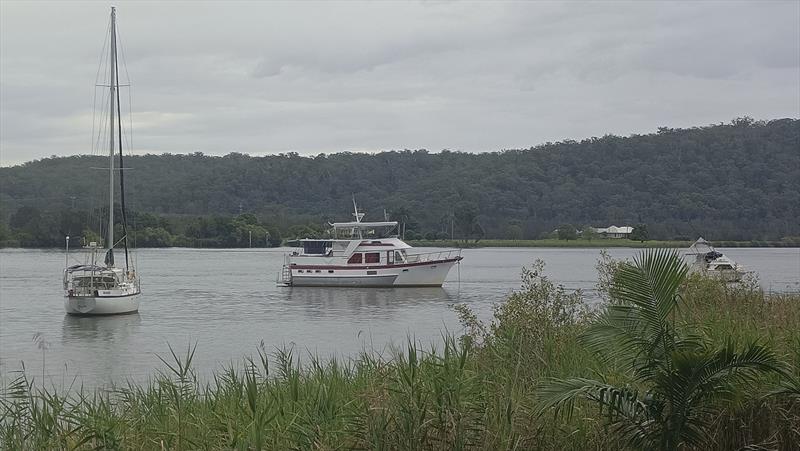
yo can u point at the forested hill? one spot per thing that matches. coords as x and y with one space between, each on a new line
733 181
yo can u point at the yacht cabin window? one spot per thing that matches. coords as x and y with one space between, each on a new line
355 258
95 282
372 257
315 247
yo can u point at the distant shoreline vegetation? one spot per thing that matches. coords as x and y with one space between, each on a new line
738 181
49 231
30 228
603 243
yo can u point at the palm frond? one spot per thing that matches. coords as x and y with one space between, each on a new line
561 394
638 328
788 386
651 282
623 407
726 366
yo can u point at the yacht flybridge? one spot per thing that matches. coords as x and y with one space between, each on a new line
364 254
97 285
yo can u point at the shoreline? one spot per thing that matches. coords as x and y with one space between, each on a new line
501 243
601 244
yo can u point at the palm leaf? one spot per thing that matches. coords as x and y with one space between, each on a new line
638 329
698 376
625 412
726 366
651 283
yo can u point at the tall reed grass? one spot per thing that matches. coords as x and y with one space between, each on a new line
470 392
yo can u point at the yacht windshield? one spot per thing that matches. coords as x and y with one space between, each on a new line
315 247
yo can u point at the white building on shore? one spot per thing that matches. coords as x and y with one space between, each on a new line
614 231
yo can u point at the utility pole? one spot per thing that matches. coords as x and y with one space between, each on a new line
250 233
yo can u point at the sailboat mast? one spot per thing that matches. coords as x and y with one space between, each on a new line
121 164
112 83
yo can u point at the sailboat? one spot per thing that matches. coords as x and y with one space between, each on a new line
101 285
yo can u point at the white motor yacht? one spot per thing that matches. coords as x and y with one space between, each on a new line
364 254
712 262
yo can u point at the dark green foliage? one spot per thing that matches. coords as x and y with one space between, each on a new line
739 181
567 232
466 222
640 233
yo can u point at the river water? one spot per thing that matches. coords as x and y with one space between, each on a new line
227 302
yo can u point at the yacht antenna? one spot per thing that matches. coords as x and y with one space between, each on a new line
358 217
356 213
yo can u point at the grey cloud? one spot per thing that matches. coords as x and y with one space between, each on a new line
324 77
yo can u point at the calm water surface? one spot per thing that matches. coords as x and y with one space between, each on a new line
227 302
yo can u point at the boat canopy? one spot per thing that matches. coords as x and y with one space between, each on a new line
312 247
700 247
358 229
91 268
362 225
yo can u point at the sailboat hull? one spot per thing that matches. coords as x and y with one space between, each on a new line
117 304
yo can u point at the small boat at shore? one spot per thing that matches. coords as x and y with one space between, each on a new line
364 254
709 261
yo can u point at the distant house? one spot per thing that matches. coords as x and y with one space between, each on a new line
614 231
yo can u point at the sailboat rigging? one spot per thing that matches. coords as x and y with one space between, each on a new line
92 289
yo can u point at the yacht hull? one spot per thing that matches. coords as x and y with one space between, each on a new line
101 305
429 274
726 275
729 275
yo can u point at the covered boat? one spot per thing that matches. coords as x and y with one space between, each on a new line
712 262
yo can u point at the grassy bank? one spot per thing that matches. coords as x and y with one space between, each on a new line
481 390
599 243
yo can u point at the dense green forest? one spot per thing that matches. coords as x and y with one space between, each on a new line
735 181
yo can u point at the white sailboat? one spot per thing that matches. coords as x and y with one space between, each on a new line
98 286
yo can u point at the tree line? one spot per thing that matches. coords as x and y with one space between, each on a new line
733 181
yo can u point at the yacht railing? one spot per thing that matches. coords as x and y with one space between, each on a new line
420 257
433 256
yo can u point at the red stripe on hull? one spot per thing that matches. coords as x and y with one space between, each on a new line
353 267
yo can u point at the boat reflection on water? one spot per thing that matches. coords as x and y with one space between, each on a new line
106 351
320 302
99 329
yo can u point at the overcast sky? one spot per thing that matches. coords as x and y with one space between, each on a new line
312 77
